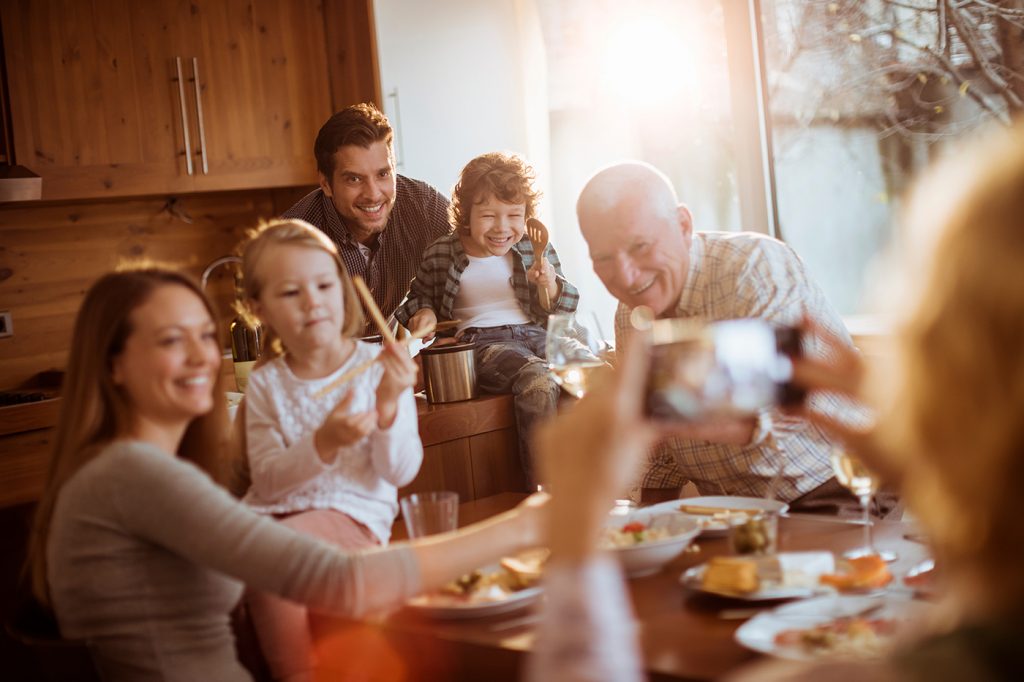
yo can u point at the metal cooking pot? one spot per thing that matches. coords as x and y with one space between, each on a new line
449 372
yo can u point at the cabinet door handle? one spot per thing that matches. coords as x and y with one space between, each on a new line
184 116
199 115
399 147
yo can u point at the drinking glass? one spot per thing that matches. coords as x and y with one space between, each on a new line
573 353
862 482
430 513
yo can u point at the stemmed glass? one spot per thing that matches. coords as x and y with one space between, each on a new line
862 482
573 353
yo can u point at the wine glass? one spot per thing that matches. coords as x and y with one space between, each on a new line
862 482
573 353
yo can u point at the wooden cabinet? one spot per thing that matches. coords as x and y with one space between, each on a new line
98 109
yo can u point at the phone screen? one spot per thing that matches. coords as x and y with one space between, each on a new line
727 368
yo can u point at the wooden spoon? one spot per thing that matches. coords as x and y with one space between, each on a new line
538 234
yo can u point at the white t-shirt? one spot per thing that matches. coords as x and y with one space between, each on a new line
485 297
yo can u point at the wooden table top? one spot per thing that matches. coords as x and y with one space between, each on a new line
681 633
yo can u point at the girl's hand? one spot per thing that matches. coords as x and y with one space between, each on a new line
399 374
542 273
424 318
342 428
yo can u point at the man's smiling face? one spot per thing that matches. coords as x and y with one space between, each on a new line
362 188
640 251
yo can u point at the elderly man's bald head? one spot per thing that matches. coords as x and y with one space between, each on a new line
638 234
626 183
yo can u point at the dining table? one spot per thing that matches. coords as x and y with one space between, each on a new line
683 634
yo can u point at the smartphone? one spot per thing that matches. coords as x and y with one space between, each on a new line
730 368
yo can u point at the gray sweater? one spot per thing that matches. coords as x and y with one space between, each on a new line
147 556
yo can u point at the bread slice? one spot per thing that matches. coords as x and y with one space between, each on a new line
730 574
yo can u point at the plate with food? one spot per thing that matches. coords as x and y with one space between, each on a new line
715 512
787 575
645 540
501 588
831 627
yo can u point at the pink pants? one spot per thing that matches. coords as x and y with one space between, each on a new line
282 626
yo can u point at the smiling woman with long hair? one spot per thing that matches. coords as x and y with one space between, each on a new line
139 551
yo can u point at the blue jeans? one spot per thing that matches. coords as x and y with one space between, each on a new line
509 359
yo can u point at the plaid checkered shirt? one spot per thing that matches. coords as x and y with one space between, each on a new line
440 272
419 216
737 275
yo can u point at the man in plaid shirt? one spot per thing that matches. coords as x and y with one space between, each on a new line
485 274
645 251
381 221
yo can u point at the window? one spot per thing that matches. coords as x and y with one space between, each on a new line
646 80
862 95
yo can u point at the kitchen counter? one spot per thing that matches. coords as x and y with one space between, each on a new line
469 447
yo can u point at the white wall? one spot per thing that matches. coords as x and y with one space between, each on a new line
468 81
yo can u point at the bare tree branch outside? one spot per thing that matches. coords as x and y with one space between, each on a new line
863 94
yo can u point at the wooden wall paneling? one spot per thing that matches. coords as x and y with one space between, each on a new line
495 460
51 253
24 458
354 67
445 467
284 198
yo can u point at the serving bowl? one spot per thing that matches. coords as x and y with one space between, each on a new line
650 556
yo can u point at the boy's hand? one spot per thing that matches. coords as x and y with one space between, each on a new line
542 273
399 374
341 428
423 319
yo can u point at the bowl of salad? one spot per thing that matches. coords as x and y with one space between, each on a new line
645 541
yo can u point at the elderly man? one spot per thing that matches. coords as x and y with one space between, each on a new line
381 221
645 251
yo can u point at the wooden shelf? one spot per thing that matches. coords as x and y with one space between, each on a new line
41 414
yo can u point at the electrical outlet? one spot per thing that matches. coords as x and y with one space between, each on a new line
6 324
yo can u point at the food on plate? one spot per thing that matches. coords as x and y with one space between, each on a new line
731 574
862 573
717 512
633 533
484 586
528 565
855 637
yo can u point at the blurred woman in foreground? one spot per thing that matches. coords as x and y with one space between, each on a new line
951 429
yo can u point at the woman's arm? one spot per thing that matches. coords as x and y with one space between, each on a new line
171 503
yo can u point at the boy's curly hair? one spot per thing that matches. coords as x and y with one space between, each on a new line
505 175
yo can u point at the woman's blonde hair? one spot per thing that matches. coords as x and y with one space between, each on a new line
960 393
95 411
294 233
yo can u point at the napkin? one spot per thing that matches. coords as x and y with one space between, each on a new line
794 569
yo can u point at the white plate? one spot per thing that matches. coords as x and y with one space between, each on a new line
438 606
759 632
803 567
714 527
